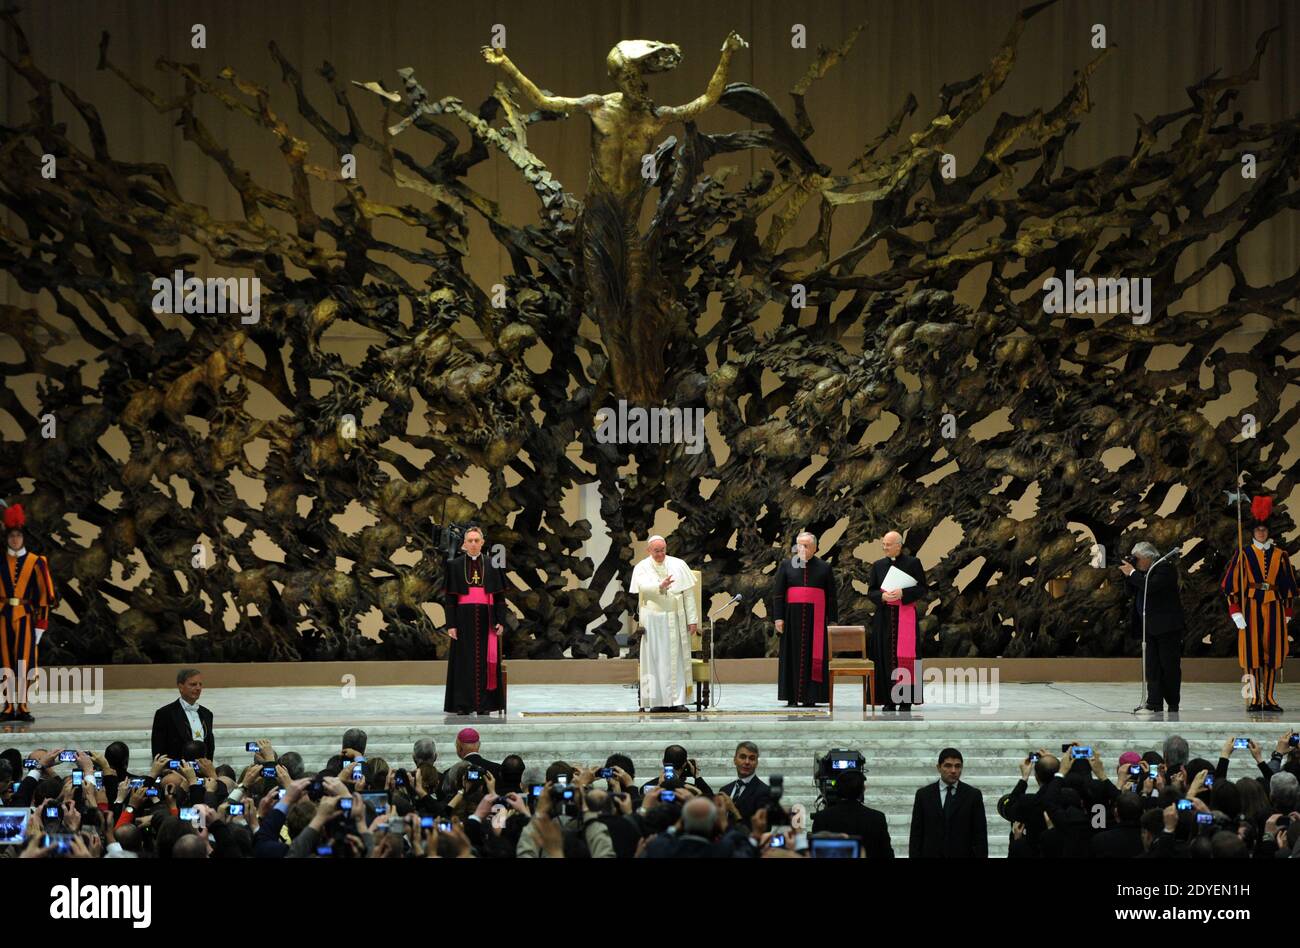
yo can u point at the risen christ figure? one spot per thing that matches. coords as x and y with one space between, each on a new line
624 295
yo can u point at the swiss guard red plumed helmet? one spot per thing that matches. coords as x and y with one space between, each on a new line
15 517
1260 508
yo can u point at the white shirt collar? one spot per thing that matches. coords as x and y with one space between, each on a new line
17 553
187 706
1262 546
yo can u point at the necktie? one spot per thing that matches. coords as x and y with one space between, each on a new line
737 790
947 800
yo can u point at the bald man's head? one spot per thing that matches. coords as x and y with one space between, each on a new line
192 846
699 816
892 543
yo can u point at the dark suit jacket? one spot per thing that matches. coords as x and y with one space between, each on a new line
963 833
698 783
490 766
858 820
267 843
756 797
1121 842
1164 608
474 760
733 845
171 731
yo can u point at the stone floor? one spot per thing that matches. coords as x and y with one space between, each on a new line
537 704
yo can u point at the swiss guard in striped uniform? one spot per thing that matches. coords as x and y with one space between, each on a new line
26 598
1260 586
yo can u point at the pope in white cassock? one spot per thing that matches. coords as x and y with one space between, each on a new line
663 586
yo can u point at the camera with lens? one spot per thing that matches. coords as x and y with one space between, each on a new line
449 538
564 799
829 767
777 815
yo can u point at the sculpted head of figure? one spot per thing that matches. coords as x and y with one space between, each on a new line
892 543
657 547
631 61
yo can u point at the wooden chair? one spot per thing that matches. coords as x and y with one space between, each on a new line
845 639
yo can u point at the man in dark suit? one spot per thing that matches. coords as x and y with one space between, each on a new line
1020 806
698 835
1124 839
849 815
1165 623
948 816
747 792
467 744
685 772
184 720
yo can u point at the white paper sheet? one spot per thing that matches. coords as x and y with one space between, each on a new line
897 579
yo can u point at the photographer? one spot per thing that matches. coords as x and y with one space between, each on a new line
1019 807
1165 623
702 832
564 826
846 813
684 772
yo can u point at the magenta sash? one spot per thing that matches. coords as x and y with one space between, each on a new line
478 596
906 630
816 597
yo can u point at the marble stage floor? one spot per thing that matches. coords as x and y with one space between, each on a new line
299 706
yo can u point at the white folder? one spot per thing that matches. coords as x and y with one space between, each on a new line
897 579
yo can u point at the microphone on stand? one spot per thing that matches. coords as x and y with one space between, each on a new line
730 602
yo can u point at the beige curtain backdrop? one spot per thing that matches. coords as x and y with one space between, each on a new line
1159 47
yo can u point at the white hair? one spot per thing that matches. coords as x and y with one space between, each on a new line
805 533
1147 550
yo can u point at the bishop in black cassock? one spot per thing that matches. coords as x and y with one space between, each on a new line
804 604
895 629
475 605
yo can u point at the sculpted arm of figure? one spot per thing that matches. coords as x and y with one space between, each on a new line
692 109
552 103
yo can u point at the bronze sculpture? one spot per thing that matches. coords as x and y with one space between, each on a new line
625 294
792 407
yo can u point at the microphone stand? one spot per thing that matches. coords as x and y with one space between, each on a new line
1146 582
713 671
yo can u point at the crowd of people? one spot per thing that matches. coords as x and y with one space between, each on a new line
1153 805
